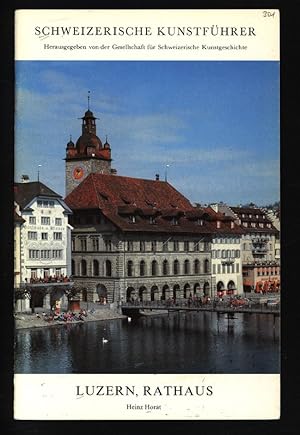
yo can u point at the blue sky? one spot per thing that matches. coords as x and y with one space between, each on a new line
216 124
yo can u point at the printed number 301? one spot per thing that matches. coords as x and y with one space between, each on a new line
268 14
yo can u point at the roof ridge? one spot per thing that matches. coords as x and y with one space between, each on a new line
95 189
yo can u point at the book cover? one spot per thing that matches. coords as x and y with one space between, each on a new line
147 213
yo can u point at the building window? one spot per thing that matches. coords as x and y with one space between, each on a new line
196 246
176 245
83 244
214 269
33 273
108 268
218 253
200 222
165 267
44 236
153 245
32 220
96 267
237 253
45 220
186 245
206 246
174 221
152 220
57 236
33 254
57 253
232 268
95 243
218 224
165 245
206 266
83 268
154 268
223 253
196 267
32 235
228 268
186 267
223 268
73 268
108 245
46 253
129 268
176 267
73 244
130 245
142 246
58 222
132 219
232 253
219 268
237 268
142 268
44 203
58 271
228 252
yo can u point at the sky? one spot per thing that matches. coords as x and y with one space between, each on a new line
211 127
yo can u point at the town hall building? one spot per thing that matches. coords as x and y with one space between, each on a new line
135 238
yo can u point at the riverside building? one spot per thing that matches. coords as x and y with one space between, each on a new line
44 236
134 238
260 248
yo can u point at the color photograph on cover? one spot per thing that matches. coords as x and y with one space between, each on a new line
147 217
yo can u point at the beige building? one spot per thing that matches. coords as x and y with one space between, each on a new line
18 222
260 247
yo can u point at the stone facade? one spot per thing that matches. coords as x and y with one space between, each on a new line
88 166
121 267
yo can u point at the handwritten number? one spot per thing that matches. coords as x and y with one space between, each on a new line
268 14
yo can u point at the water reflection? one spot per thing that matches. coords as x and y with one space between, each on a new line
178 343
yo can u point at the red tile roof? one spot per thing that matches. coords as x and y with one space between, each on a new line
119 197
103 191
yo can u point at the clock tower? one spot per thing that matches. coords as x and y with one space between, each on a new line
88 156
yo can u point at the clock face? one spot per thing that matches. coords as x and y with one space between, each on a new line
78 172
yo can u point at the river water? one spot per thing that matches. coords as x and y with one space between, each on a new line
179 343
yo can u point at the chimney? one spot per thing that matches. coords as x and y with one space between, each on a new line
25 179
157 177
113 171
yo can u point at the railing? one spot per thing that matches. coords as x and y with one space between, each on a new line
197 305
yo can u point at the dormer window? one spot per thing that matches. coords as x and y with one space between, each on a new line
132 219
250 216
231 224
152 220
200 222
174 221
218 224
243 215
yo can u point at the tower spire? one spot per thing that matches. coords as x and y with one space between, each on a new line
89 100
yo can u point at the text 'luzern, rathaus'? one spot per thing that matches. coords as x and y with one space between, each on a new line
136 238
